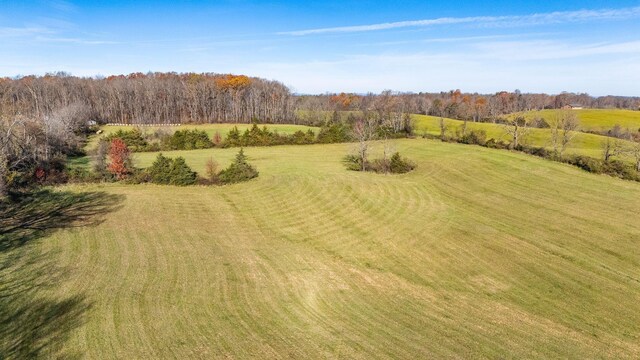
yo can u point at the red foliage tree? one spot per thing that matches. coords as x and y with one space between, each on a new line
120 159
217 138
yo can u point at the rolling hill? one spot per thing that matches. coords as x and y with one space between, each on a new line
478 253
582 143
597 119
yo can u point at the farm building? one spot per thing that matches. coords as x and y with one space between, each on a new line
573 106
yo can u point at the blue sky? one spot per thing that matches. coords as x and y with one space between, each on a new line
331 46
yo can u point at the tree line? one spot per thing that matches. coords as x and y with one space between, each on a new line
153 98
453 104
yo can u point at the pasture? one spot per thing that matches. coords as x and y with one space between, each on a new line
582 143
597 119
478 253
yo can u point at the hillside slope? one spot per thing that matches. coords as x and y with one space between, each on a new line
478 253
581 144
598 119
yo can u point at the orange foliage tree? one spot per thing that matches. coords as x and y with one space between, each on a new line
234 82
120 159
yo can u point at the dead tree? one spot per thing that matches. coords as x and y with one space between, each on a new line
364 130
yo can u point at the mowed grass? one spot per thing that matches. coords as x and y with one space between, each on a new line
210 129
597 119
478 253
582 143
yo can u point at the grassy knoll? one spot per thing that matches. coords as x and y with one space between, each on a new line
598 119
582 144
478 253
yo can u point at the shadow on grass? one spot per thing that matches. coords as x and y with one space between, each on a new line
33 321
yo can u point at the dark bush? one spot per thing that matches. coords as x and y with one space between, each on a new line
537 151
233 138
399 165
586 163
169 171
353 162
302 138
475 137
394 165
134 139
496 144
334 133
189 140
540 123
81 175
139 176
239 170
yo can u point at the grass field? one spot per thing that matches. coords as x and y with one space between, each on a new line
598 119
478 253
582 143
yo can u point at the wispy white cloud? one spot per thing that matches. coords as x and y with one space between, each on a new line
74 41
531 65
459 39
551 50
486 21
23 31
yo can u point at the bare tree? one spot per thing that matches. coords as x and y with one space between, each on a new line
16 150
611 147
570 127
364 130
633 150
443 129
100 158
517 130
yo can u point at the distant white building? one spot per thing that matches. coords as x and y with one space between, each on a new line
574 107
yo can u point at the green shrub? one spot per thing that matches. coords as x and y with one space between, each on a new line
334 133
134 139
475 137
181 174
239 170
139 176
399 165
353 162
301 138
81 175
233 138
167 171
256 136
394 165
189 140
496 144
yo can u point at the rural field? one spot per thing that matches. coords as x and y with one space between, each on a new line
597 119
478 253
581 144
265 180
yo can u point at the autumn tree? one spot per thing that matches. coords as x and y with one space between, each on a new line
120 156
